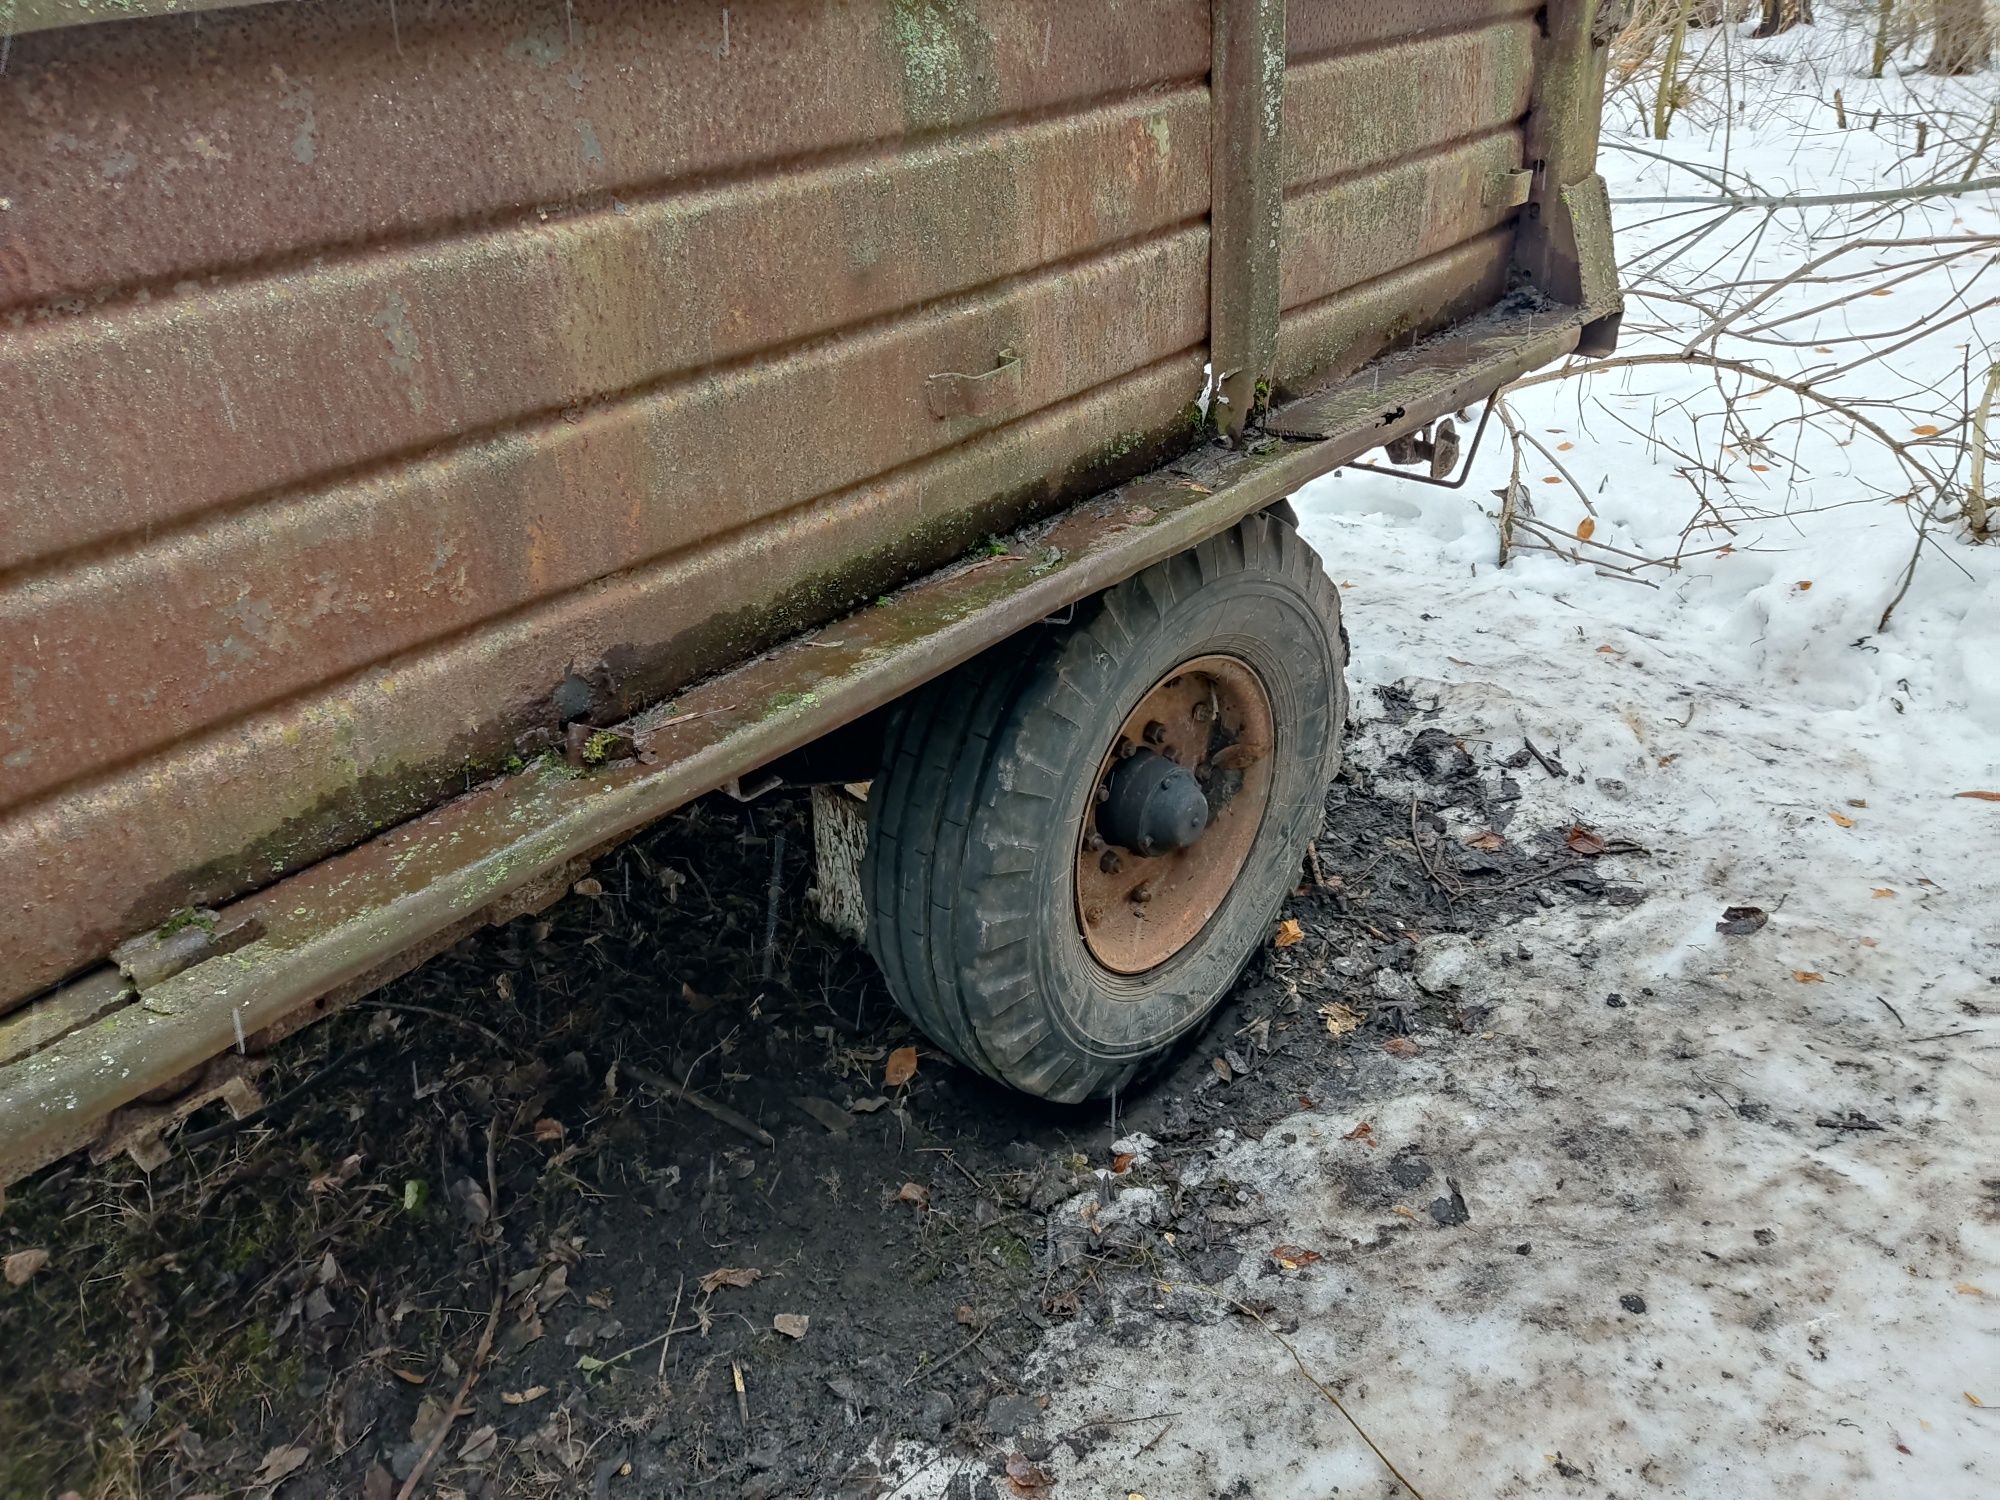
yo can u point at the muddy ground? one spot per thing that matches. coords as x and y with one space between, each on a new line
476 1239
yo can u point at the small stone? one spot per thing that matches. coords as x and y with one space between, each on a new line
1008 1415
1632 1302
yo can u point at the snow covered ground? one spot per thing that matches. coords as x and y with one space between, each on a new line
1675 1280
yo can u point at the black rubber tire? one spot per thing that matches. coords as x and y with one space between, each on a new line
969 874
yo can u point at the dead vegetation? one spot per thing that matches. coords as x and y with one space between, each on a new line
1748 284
483 1242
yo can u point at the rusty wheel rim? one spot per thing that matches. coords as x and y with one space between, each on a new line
1212 717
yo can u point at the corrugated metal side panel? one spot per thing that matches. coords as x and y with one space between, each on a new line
264 602
358 754
1398 122
408 392
173 148
266 380
1319 28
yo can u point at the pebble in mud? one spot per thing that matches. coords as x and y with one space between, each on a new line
1632 1302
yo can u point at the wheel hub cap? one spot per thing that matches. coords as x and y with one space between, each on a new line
1179 799
1152 805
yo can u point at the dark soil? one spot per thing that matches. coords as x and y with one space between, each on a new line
295 1302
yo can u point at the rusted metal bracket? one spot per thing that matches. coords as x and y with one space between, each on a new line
953 393
1464 468
192 938
1563 124
1247 204
1509 189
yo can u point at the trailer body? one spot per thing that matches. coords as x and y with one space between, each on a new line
442 437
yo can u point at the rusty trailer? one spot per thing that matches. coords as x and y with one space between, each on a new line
443 438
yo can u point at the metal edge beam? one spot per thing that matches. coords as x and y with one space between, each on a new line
333 931
1246 203
19 17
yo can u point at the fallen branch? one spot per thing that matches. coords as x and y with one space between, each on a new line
1733 201
659 1083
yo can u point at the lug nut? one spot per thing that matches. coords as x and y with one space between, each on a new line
1111 862
1156 732
1126 749
1204 713
1092 842
1103 793
1142 892
1092 915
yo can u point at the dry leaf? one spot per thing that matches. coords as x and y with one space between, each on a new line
408 1377
731 1276
1973 1399
547 1130
1121 1161
914 1193
1401 1046
1979 796
1584 842
22 1264
1024 1478
1609 651
1360 1132
1564 446
279 1462
900 1068
1340 1019
1552 479
1925 429
792 1325
1586 529
1804 585
1290 934
1760 468
1291 1257
522 1398
1883 893
1407 1213
1739 920
1489 841
1222 1068
1842 819
1967 1289
479 1444
1808 976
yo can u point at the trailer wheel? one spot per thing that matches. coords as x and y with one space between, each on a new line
1078 839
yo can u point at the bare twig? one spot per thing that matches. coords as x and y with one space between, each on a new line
1907 193
661 1084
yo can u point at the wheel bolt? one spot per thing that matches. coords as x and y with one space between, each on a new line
1204 713
1126 749
1092 915
1142 892
1092 842
1103 793
1156 732
1112 862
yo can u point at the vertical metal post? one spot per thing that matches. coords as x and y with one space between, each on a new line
1565 243
1246 203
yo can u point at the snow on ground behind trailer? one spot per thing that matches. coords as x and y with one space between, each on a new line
1733 1197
